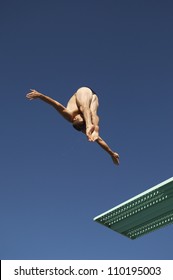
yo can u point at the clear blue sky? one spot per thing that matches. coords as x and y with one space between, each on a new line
53 181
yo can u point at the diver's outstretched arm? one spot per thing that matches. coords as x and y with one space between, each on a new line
104 145
58 106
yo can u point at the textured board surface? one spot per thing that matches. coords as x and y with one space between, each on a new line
143 213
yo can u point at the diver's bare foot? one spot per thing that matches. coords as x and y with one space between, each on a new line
115 158
95 134
89 132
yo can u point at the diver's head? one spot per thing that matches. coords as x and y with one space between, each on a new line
79 125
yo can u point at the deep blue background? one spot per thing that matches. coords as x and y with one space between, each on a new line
53 181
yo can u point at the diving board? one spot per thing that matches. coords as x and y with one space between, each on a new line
146 212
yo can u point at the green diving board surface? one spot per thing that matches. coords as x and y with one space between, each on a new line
144 213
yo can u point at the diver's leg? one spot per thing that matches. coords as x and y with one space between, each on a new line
83 99
72 106
95 119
